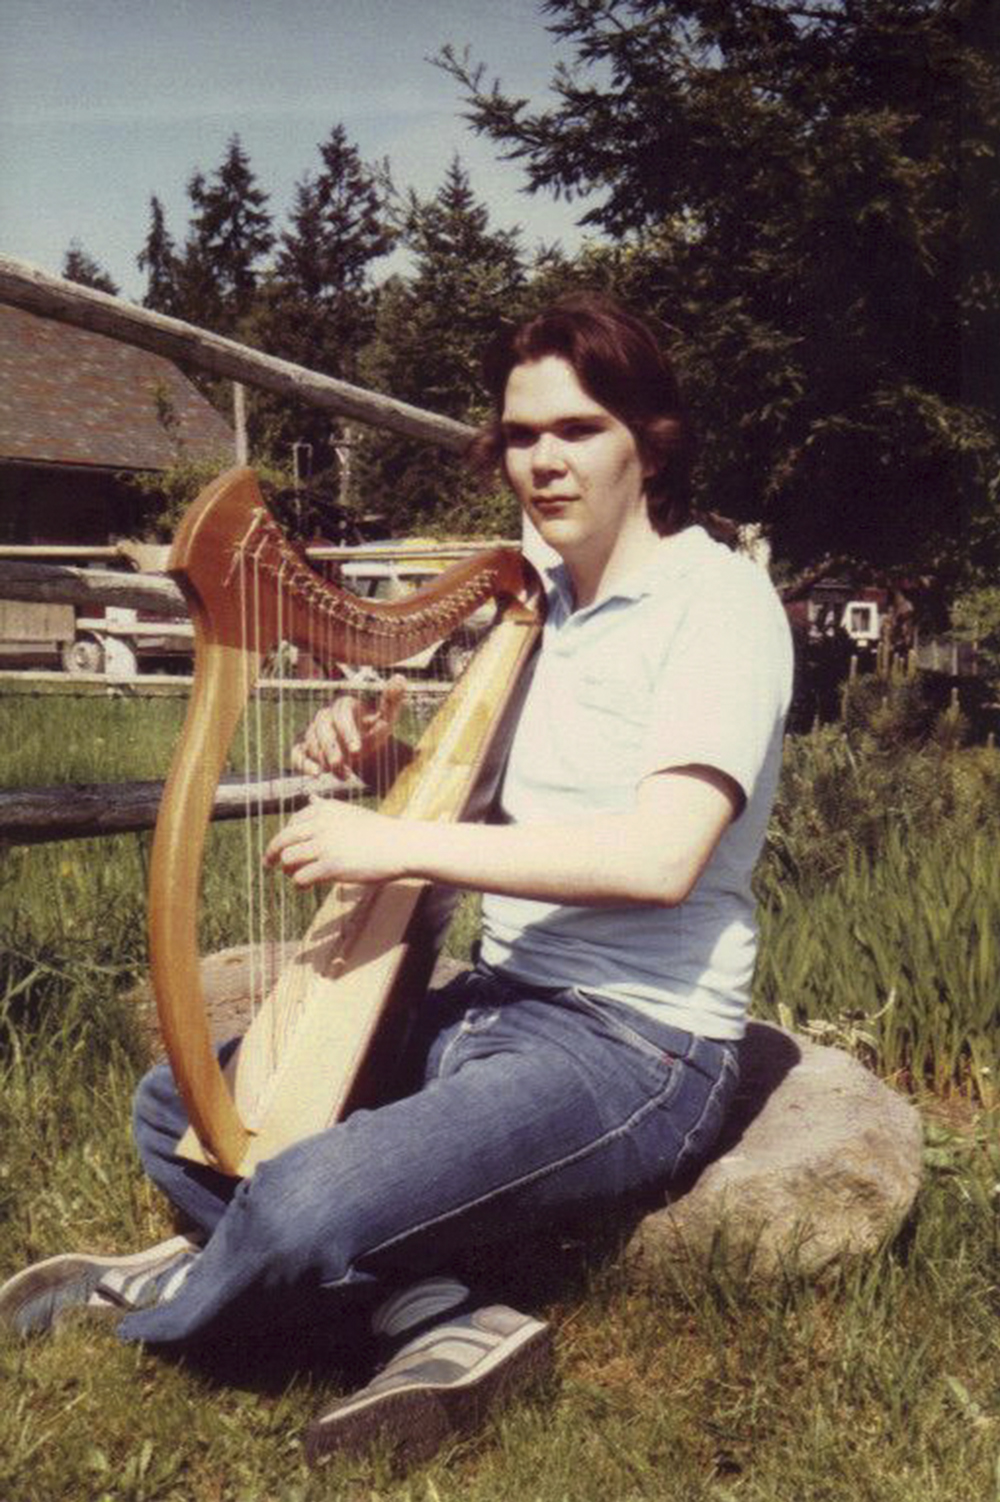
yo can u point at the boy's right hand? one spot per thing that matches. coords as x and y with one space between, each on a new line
347 734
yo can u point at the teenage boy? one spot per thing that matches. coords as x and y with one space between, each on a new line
591 1055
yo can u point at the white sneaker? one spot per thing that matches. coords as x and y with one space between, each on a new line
441 1383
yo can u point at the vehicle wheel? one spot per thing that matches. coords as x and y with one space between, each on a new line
85 655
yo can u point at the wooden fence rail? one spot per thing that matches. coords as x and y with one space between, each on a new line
31 816
27 287
59 583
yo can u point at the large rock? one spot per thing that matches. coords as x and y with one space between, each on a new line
819 1160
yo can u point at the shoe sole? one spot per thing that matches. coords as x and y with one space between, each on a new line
23 1286
416 1421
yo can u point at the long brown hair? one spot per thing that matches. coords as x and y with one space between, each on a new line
619 363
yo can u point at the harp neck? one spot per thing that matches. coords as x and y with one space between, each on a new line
229 545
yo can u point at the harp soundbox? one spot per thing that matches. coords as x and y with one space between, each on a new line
306 1058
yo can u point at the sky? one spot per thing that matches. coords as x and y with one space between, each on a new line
105 102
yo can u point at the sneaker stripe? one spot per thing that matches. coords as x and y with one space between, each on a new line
416 1306
148 1285
416 1379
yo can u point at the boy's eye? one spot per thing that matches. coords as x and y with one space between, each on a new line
518 437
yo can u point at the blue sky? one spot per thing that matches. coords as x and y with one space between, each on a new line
105 102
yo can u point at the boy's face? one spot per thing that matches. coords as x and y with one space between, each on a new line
575 467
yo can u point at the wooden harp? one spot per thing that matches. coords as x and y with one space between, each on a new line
249 591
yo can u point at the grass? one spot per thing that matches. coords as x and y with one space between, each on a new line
881 1382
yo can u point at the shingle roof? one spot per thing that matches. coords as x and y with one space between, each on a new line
68 396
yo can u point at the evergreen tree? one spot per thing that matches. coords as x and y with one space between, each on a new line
466 275
340 225
431 332
158 259
806 193
318 307
229 235
80 267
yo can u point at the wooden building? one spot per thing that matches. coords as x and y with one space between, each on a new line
78 413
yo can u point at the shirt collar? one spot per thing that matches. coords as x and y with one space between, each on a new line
671 558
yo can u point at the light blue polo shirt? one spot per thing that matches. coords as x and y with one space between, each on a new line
689 661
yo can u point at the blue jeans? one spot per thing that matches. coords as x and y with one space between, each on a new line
533 1110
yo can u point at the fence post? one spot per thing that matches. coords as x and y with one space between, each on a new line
240 422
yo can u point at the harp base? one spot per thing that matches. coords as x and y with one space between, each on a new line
350 1024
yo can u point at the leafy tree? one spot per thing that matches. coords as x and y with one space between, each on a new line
158 258
230 233
80 267
975 616
318 308
431 331
806 193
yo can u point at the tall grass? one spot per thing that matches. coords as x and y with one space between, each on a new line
879 894
879 891
842 798
899 957
61 738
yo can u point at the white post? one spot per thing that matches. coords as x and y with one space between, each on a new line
240 422
121 660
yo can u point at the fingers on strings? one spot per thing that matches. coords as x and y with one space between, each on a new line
346 732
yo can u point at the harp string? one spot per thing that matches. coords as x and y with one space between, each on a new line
247 644
283 741
256 824
275 766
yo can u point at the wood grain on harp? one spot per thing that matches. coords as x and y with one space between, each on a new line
364 943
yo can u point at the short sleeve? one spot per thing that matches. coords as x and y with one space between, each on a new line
724 684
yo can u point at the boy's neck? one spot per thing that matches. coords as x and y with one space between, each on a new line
596 571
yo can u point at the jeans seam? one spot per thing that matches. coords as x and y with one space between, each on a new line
628 1035
728 1069
621 1129
467 1026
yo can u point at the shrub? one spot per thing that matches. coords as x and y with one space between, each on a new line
889 715
168 493
844 795
975 616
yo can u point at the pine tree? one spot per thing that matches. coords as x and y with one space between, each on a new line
340 225
432 328
466 276
158 259
80 267
318 307
230 233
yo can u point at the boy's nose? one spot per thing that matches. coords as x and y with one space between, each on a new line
547 454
